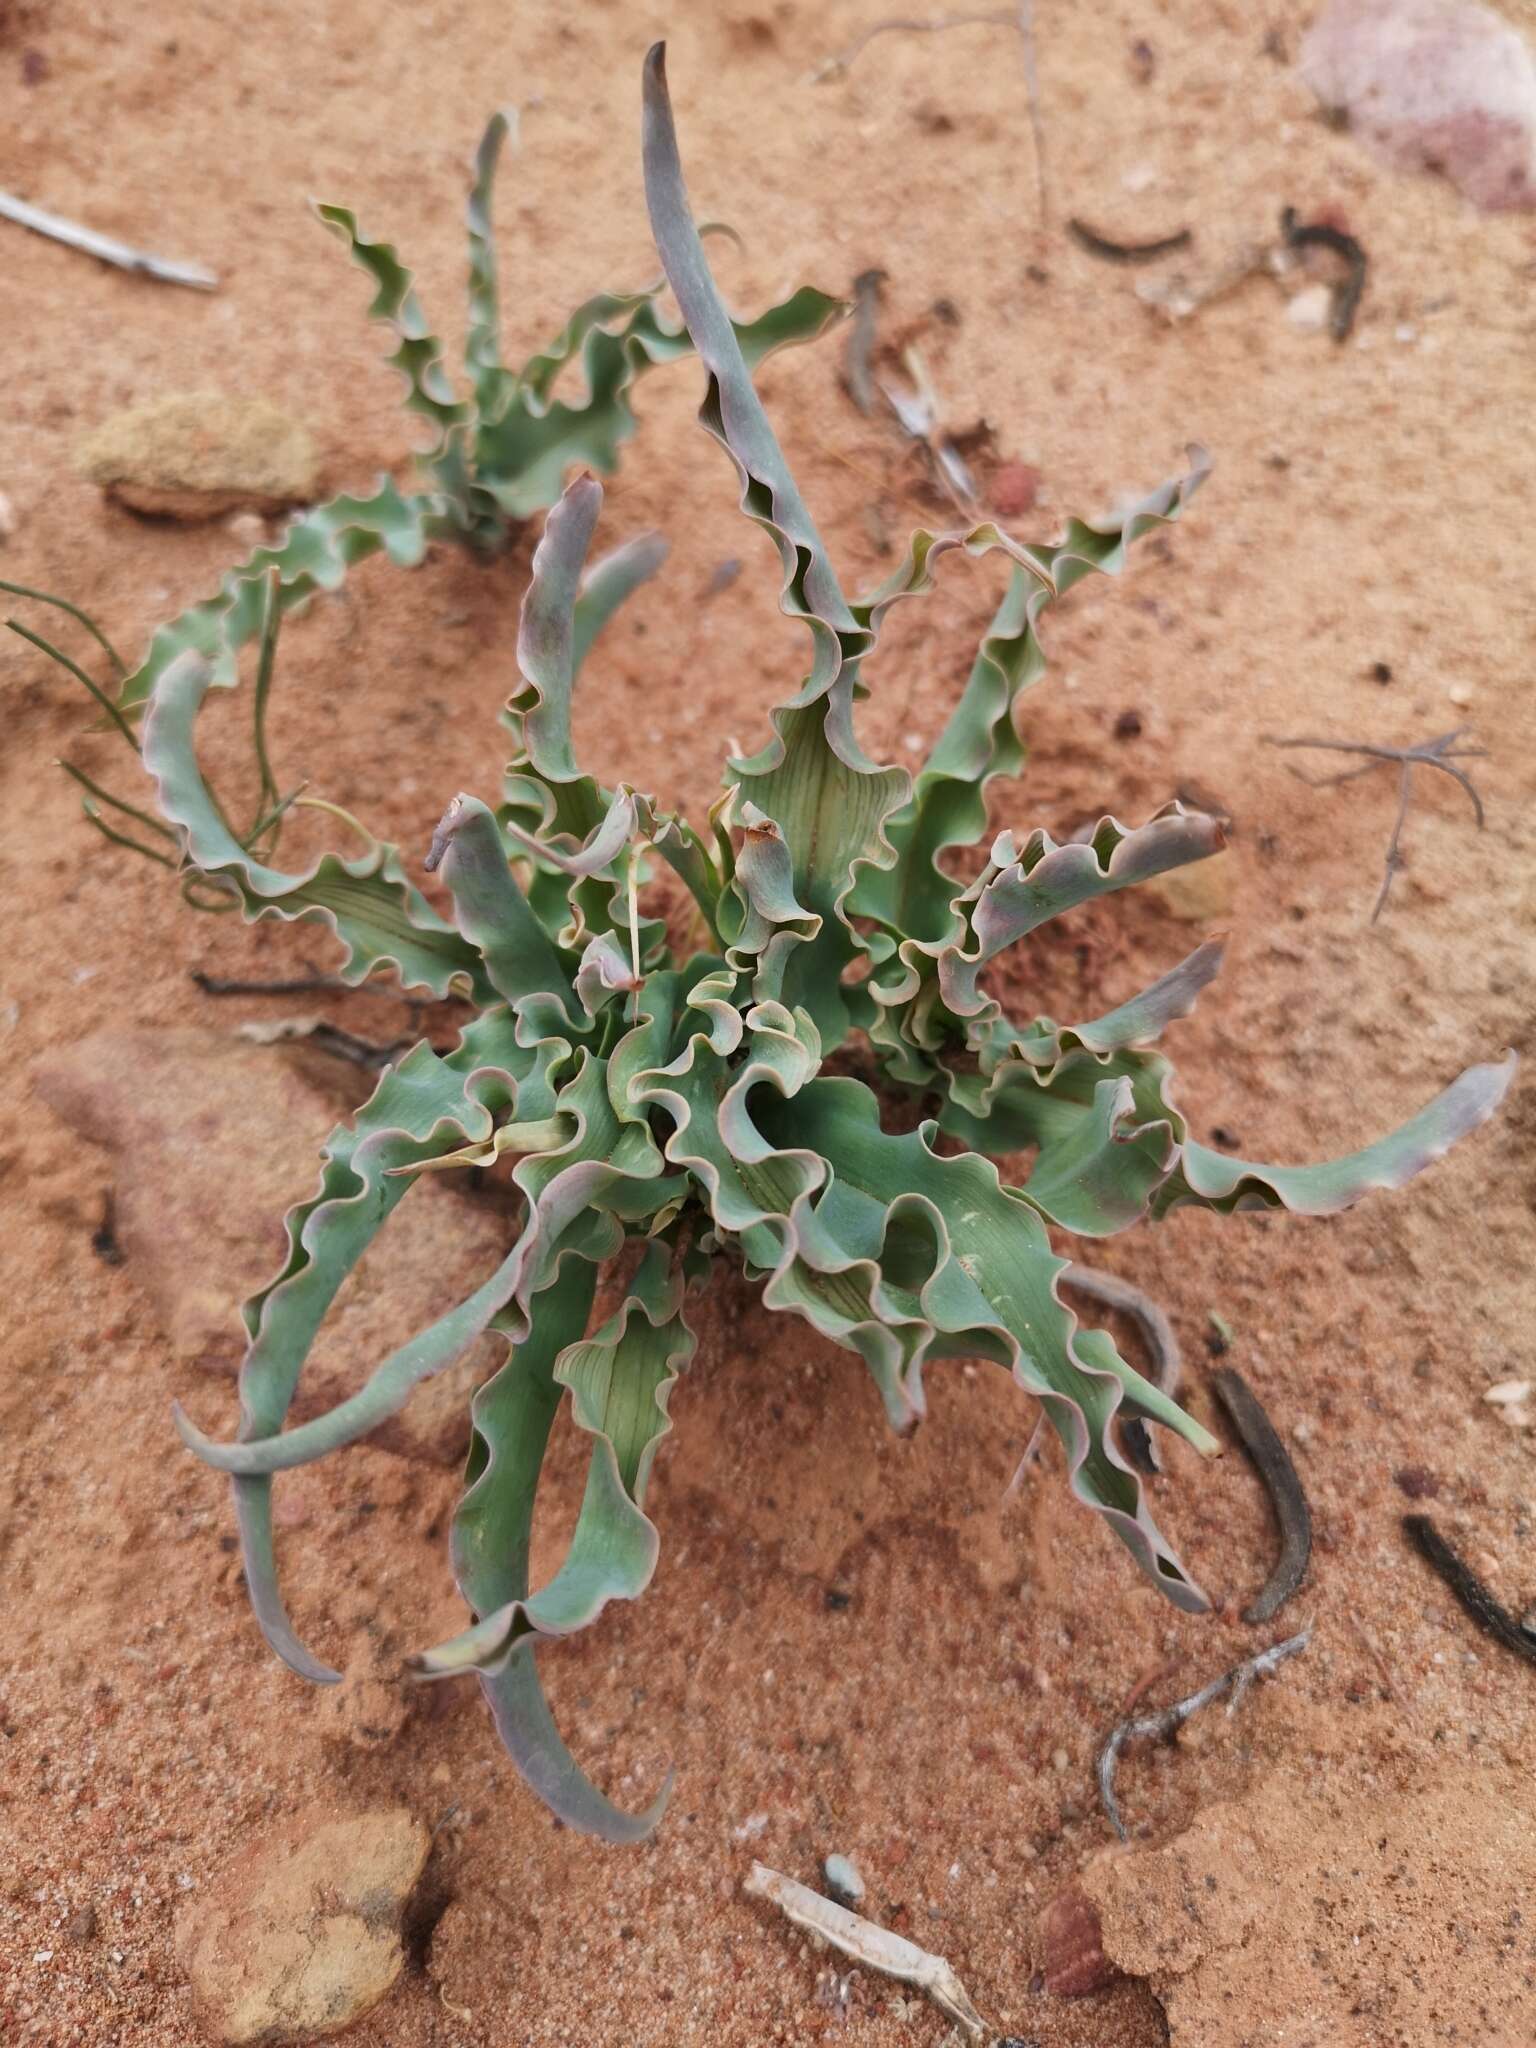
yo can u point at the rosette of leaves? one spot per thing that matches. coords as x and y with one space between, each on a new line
504 441
672 1111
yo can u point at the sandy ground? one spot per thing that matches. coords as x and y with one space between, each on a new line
1370 505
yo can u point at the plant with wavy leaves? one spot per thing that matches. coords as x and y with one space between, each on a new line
680 1106
501 452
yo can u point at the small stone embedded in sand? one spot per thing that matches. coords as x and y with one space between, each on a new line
300 1935
1433 85
1321 1908
214 1140
1310 309
199 455
843 1880
1198 893
1014 489
1071 1946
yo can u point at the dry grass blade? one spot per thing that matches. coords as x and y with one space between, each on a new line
1020 18
875 1947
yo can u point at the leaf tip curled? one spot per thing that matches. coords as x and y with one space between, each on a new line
442 837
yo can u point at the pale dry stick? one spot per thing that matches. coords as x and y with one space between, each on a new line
877 1948
107 250
838 66
1440 752
1020 18
1168 1720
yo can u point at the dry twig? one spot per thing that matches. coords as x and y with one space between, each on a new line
90 243
1440 752
1259 1439
875 1947
1169 1720
1020 18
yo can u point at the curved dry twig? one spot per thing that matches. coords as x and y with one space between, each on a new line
1168 1720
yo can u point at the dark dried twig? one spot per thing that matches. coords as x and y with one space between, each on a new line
1157 1331
1471 1594
1169 1720
861 339
312 983
104 1237
104 247
330 1038
1272 1461
1126 252
1347 290
1440 752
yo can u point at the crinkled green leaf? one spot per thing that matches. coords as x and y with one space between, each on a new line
685 1105
482 341
314 554
492 1534
418 354
813 780
1027 886
620 1379
522 455
1214 1180
424 1107
912 897
380 918
900 1254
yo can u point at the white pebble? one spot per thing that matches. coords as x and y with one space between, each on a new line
843 1880
1308 311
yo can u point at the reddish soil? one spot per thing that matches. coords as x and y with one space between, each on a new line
854 1643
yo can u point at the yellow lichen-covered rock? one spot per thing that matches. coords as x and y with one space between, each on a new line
198 455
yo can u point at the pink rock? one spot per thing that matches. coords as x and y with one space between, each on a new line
1435 85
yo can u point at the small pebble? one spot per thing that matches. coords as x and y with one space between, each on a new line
1059 1760
1309 311
7 516
82 1926
843 1880
1459 694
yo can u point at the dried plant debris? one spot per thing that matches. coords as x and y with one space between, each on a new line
1168 1720
875 1947
920 411
1348 290
859 352
1020 18
680 1105
1179 293
1109 251
1272 1461
1474 1597
105 248
1442 752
